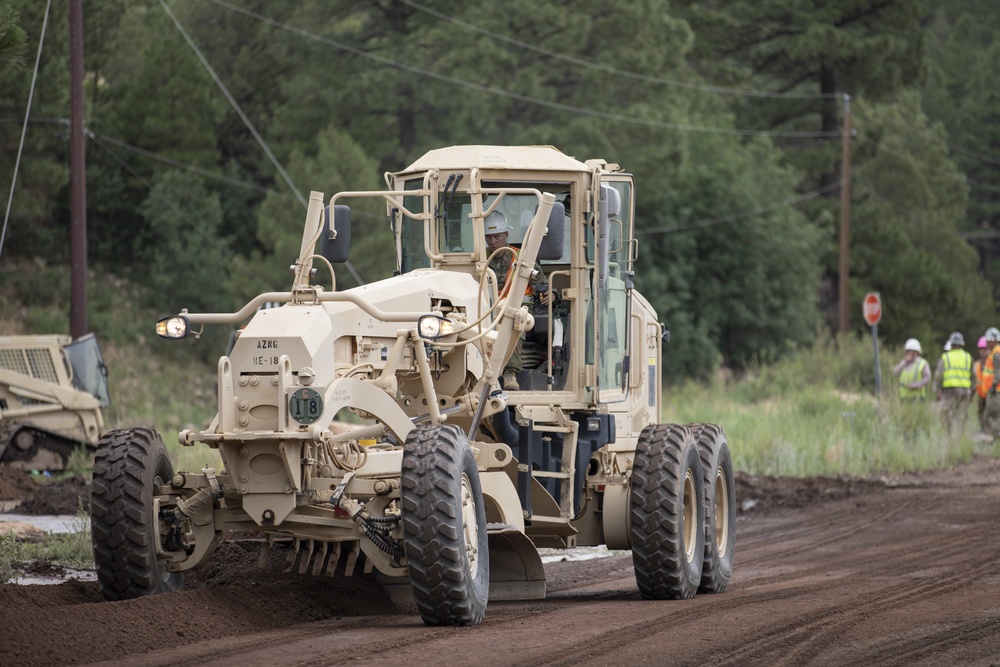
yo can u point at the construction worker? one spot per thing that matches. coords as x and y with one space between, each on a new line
991 415
981 391
914 373
502 263
953 383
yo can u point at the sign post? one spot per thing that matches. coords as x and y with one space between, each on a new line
871 308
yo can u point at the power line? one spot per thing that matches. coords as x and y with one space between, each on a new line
516 96
246 121
224 252
611 70
183 165
709 222
24 128
923 134
957 177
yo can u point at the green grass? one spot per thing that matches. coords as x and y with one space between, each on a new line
72 549
816 414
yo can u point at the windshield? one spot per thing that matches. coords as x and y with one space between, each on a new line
453 225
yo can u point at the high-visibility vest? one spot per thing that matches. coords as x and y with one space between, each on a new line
957 369
909 375
986 381
529 291
977 370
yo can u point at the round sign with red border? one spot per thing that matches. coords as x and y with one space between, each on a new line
871 308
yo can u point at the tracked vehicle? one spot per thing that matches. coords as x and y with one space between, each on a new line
446 483
52 390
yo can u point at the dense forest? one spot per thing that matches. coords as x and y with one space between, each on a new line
729 113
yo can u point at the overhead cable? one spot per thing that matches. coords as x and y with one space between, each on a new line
246 121
922 133
947 174
224 252
709 222
183 165
24 128
683 127
612 70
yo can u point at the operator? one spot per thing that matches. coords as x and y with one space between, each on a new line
502 263
914 373
953 382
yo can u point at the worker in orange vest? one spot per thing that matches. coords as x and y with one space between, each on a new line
988 384
977 369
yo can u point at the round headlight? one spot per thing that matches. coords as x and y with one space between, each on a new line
173 327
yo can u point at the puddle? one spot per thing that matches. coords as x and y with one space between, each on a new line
49 580
579 553
50 523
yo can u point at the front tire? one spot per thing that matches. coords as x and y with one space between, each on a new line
444 526
129 466
667 513
720 509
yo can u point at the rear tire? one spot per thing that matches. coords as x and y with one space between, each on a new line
444 526
129 466
720 509
667 513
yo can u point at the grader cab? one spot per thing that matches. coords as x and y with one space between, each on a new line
446 483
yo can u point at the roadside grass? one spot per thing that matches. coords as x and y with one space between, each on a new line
816 414
72 549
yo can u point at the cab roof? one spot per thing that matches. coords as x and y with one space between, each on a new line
537 158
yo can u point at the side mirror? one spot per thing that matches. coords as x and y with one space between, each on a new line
609 207
552 242
335 243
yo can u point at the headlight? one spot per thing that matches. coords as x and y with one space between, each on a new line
433 327
173 328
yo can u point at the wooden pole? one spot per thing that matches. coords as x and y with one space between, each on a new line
845 218
77 177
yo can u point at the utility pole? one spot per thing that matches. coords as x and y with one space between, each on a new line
77 177
845 218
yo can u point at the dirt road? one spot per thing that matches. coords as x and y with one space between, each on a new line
896 571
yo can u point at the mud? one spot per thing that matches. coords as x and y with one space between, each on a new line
888 571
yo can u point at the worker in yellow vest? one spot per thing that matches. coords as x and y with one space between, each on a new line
953 384
914 373
991 416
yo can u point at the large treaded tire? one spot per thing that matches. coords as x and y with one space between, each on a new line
128 466
667 513
444 526
720 507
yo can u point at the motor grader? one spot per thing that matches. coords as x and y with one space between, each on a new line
444 483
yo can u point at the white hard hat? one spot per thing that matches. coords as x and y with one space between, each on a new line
496 223
913 344
947 346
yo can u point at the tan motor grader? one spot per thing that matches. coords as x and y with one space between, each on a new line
445 484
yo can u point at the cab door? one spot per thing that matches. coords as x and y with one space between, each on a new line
612 283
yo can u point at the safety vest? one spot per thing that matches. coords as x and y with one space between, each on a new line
957 369
529 291
986 379
977 371
910 375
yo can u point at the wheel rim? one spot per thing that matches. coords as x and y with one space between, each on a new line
470 526
160 566
690 516
721 511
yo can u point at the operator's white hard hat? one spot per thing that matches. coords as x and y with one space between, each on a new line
913 344
496 223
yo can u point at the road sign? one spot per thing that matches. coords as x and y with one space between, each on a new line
872 308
